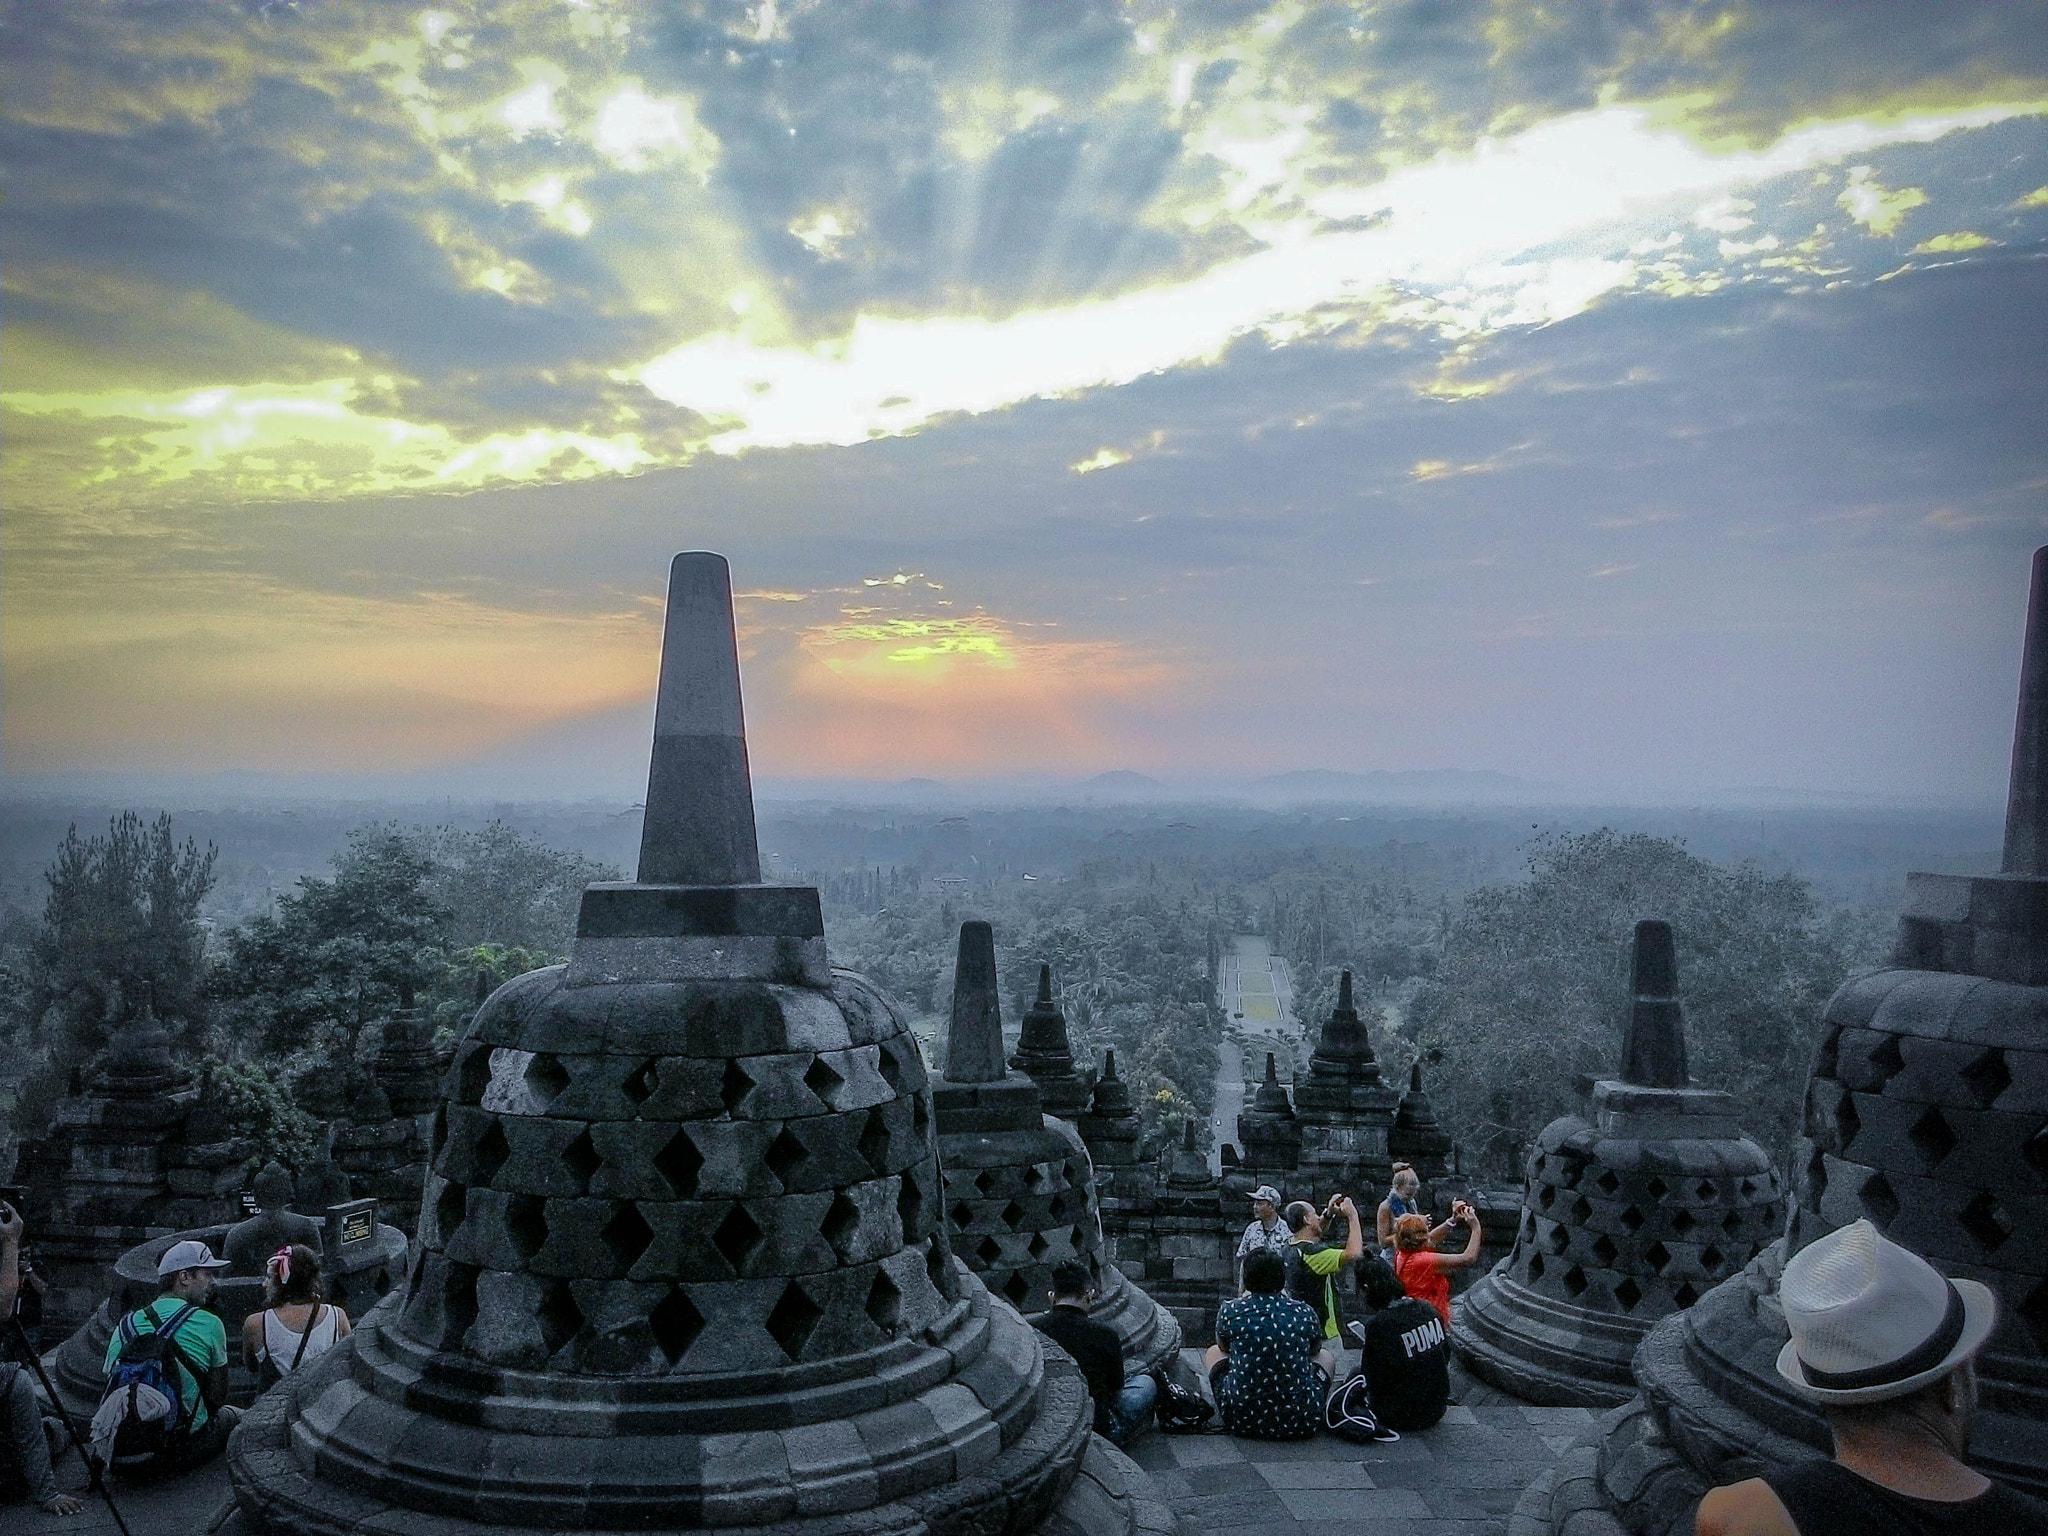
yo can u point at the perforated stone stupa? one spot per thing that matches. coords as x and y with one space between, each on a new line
1627 1217
1927 1112
1019 1184
1346 1109
681 1261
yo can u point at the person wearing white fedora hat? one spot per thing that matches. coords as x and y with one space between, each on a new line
1883 1344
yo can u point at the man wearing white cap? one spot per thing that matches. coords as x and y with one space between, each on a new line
1265 1230
185 1276
1884 1345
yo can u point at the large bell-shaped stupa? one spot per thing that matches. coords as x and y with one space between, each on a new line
681 1262
1627 1216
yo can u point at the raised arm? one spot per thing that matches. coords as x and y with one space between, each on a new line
1354 1235
1474 1236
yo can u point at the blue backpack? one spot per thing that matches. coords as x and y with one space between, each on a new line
150 1360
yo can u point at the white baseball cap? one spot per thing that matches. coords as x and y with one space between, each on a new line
1267 1193
1873 1321
188 1253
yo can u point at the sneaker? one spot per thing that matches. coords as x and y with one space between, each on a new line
1382 1435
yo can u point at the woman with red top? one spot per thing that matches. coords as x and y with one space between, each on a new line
1425 1273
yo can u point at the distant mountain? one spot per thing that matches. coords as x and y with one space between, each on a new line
1123 780
1405 787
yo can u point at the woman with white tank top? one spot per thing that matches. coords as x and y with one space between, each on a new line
296 1326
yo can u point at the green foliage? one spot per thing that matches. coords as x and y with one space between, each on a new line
119 933
1531 992
501 888
255 1100
340 956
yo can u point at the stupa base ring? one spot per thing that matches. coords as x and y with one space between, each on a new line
991 1449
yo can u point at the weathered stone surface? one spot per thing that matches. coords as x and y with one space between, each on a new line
1020 1193
1626 1218
1417 1138
1046 1056
1345 1109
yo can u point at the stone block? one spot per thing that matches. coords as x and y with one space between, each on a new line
907 1447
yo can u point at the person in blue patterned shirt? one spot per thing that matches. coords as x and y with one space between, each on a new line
1262 1369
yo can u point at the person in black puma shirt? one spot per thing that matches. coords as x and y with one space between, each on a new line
1403 1353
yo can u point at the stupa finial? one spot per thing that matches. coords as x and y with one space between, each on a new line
2026 804
699 828
1653 1051
1044 999
974 1043
1344 994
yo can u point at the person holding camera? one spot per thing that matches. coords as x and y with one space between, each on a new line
1424 1272
23 1440
1314 1263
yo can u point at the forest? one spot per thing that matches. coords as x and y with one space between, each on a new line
1492 949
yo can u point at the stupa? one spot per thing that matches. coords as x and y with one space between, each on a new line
681 1261
1268 1135
1346 1110
1927 1112
1113 1133
1193 1236
1627 1217
1019 1184
1046 1056
1418 1138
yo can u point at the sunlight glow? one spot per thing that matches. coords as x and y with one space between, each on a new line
284 438
1464 244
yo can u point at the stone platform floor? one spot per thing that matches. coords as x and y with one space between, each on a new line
1460 1478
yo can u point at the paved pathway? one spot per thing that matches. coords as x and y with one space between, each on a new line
1257 997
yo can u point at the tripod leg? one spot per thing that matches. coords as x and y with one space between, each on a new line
92 1467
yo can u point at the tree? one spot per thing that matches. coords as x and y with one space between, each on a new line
1531 992
119 933
501 887
339 957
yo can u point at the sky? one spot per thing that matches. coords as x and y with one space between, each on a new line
1631 395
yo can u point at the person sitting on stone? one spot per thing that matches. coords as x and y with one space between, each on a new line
1425 1273
1403 1197
1885 1346
1314 1263
24 1442
1262 1367
275 1225
185 1280
1403 1352
296 1325
1122 1405
1265 1229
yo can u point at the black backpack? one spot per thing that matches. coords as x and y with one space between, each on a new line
150 1360
1179 1410
1347 1414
